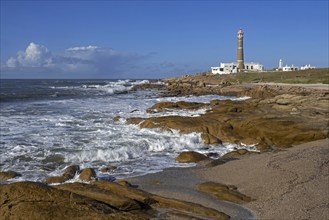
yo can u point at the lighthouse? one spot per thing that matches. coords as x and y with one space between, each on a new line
240 50
280 64
240 66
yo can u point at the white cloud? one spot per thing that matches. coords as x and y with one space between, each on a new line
35 55
92 61
82 48
87 52
12 62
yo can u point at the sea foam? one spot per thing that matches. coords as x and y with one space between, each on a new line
40 137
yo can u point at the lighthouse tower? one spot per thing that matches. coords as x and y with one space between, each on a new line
280 64
240 50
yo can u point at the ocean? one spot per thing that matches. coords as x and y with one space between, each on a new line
47 125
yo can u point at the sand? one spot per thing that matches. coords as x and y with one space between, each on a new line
289 184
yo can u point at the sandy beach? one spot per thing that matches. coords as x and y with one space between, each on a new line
288 184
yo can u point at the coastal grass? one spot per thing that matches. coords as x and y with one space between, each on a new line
312 76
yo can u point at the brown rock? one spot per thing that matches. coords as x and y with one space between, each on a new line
254 121
56 179
99 200
116 118
210 139
70 171
147 86
159 201
107 169
237 153
124 183
190 157
30 200
224 192
68 174
114 200
163 106
87 174
5 175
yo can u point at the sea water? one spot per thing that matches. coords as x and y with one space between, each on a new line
47 125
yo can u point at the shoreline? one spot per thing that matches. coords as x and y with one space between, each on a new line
181 183
281 188
277 117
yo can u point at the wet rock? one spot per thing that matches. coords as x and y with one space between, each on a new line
190 157
87 174
163 106
116 118
56 179
70 171
147 86
238 153
6 175
68 174
210 139
107 169
224 192
54 159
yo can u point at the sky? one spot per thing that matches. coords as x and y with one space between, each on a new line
156 39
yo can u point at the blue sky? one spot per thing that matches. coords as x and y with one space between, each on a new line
156 39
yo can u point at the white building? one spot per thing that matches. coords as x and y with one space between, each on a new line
228 68
253 67
225 68
289 68
307 67
286 67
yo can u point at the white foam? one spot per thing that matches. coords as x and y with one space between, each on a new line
111 87
82 132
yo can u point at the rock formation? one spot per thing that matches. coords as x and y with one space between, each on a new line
275 116
99 200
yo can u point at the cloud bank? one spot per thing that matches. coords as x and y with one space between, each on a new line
85 61
37 61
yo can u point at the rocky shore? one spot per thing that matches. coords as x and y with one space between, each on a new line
274 118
